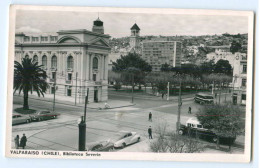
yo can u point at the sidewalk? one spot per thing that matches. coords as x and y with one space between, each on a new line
68 101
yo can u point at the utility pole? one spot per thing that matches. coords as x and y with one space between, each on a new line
179 109
76 88
132 88
82 127
168 91
54 93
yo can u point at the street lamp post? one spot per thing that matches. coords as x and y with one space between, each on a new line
179 109
54 93
82 127
168 91
132 88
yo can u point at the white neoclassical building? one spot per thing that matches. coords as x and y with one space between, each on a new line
77 59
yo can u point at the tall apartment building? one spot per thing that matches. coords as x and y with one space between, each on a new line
157 53
74 60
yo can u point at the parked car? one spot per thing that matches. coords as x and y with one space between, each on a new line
18 119
203 98
124 138
100 146
44 115
194 128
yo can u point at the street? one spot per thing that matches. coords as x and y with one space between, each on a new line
62 133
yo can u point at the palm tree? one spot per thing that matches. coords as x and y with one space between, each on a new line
29 76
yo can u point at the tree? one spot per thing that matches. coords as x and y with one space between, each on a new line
223 66
131 60
29 77
225 120
235 47
207 67
166 67
132 66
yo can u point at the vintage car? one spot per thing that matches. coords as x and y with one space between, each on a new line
203 98
19 119
124 138
100 146
44 115
193 128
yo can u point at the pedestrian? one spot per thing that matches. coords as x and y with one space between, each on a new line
162 95
23 141
150 116
150 133
16 141
189 110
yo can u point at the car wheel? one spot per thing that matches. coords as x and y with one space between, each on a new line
138 139
111 149
27 121
180 132
123 145
54 117
215 139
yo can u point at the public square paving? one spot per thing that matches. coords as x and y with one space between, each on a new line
62 133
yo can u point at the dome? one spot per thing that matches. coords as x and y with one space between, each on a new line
98 22
135 27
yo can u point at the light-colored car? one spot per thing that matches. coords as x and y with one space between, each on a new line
44 115
124 138
19 119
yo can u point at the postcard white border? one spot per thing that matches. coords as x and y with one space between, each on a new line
197 157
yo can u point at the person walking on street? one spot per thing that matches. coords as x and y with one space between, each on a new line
150 116
150 133
23 141
162 95
16 141
189 110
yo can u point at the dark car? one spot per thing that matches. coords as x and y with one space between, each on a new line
44 115
100 146
193 128
19 119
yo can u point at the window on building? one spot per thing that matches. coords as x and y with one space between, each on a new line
53 75
35 59
44 38
94 77
243 82
54 38
54 62
35 39
70 62
244 68
95 63
69 91
243 96
26 39
69 76
44 61
52 90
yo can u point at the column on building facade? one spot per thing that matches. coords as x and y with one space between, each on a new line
90 66
106 67
85 61
100 68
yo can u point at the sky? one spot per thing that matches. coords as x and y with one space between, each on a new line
119 24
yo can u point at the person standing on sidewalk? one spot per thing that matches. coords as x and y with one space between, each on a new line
150 116
16 141
150 133
189 110
23 141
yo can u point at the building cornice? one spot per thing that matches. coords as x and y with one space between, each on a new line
81 31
